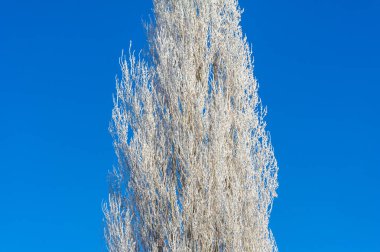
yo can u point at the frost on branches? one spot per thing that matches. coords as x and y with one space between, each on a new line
196 169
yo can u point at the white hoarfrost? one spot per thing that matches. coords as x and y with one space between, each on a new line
196 169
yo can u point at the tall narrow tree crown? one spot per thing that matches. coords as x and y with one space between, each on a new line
196 169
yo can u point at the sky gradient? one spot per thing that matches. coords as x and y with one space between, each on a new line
317 63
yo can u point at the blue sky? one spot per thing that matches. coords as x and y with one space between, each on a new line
318 67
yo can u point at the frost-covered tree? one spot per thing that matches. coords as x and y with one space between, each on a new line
196 169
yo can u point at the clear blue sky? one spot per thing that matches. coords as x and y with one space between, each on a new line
318 67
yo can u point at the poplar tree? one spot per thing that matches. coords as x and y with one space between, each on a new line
196 170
